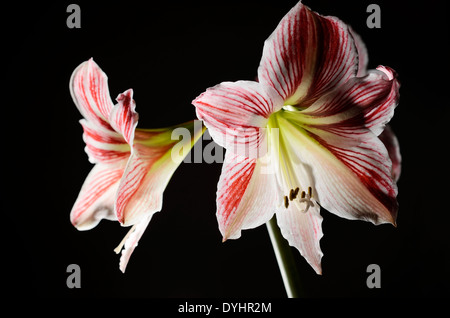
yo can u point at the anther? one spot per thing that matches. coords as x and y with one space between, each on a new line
291 195
305 197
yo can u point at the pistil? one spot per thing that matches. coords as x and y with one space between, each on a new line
119 247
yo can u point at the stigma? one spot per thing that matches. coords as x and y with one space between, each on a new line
122 243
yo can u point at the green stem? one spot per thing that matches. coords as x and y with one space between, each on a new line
285 259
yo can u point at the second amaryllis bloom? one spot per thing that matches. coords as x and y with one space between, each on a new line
132 165
305 135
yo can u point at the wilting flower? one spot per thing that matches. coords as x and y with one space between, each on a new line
132 165
314 118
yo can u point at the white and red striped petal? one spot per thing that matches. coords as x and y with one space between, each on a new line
103 145
247 194
236 113
123 117
353 182
307 55
303 230
106 145
392 145
148 171
370 162
131 240
107 128
96 198
379 114
140 191
90 93
363 55
351 113
299 221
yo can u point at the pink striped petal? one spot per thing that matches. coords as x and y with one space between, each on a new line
123 117
131 241
370 162
103 145
106 145
391 143
351 113
107 128
235 114
307 55
247 195
300 223
363 55
148 171
90 93
303 230
378 115
354 182
96 198
140 191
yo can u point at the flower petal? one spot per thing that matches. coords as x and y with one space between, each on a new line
303 230
391 143
123 117
352 112
103 146
295 179
90 93
307 55
363 55
89 89
246 194
354 182
148 171
235 113
131 241
96 198
377 116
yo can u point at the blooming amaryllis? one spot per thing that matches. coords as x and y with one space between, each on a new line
132 165
314 118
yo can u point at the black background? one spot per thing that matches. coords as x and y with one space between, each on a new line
169 53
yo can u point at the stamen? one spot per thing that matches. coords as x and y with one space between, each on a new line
292 195
305 198
119 247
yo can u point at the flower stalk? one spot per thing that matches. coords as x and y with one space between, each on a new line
285 260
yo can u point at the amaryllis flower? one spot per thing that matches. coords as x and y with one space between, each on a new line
132 165
305 135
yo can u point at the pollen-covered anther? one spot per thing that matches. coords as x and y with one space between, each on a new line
305 198
286 202
293 193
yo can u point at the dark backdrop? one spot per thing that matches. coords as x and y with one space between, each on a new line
169 53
